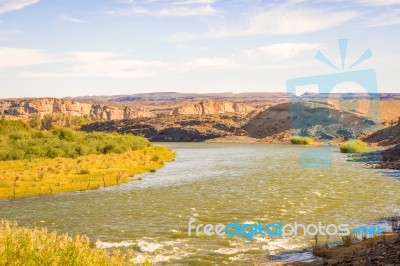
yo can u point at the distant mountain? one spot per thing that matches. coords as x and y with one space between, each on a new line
255 97
176 96
350 96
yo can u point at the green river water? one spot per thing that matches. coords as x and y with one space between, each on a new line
217 183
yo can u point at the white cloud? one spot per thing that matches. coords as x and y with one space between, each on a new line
206 63
128 12
379 2
181 46
280 51
390 18
105 64
17 57
183 37
101 64
289 20
279 20
191 2
123 65
9 31
71 19
184 8
183 11
7 6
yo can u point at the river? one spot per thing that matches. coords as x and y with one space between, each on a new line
216 183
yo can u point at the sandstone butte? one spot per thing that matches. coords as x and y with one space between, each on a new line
209 107
23 108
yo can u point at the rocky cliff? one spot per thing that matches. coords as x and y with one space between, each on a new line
117 113
22 108
210 107
175 128
313 119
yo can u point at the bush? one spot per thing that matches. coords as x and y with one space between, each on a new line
64 134
302 140
19 141
54 152
355 146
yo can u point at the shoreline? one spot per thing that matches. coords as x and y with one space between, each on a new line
379 250
62 175
362 249
390 164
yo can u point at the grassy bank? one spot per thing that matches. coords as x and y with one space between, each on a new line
24 246
62 160
21 178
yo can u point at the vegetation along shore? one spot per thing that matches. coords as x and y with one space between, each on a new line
38 162
25 246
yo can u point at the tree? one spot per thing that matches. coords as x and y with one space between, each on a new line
35 121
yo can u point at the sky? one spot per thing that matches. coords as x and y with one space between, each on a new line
60 48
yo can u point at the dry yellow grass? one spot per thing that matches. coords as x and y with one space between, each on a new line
25 246
22 178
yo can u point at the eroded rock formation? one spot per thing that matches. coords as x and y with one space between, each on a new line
23 108
210 107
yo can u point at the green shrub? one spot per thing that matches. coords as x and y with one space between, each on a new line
54 152
35 152
64 134
302 140
10 126
355 146
19 141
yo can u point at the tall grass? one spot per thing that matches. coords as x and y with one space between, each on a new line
302 140
349 239
24 246
355 146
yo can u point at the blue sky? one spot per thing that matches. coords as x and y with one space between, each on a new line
71 48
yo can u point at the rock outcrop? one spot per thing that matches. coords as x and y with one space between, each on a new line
22 108
313 119
117 113
388 139
385 137
210 107
26 107
184 128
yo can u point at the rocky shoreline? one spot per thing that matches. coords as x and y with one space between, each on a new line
382 250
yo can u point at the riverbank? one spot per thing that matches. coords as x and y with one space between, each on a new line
38 246
205 182
380 250
38 162
388 142
382 158
390 158
23 178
